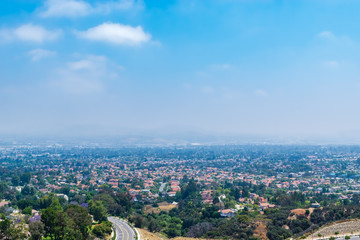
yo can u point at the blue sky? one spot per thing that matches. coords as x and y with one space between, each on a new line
219 67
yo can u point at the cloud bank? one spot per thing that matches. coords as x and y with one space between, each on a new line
116 33
30 33
79 8
38 54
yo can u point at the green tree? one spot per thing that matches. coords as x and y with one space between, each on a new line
102 229
25 178
28 191
61 227
154 226
189 189
3 189
36 230
65 190
5 228
55 204
27 211
45 202
24 203
10 231
55 223
173 231
97 209
139 221
15 180
81 220
48 217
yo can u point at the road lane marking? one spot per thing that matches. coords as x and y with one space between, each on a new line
124 228
119 226
127 233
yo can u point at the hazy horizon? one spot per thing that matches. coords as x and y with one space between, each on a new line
281 71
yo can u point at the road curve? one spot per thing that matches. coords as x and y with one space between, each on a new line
122 228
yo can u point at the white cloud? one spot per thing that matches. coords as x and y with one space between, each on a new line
85 76
326 35
188 86
38 54
223 66
340 40
29 33
5 35
35 33
331 64
78 85
116 33
107 7
208 89
261 93
81 65
80 8
65 8
89 63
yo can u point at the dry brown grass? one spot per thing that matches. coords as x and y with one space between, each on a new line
163 206
300 212
146 235
187 238
167 207
260 230
150 209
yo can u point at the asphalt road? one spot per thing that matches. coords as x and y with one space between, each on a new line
162 186
123 230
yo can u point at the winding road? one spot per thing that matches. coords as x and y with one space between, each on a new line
123 230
